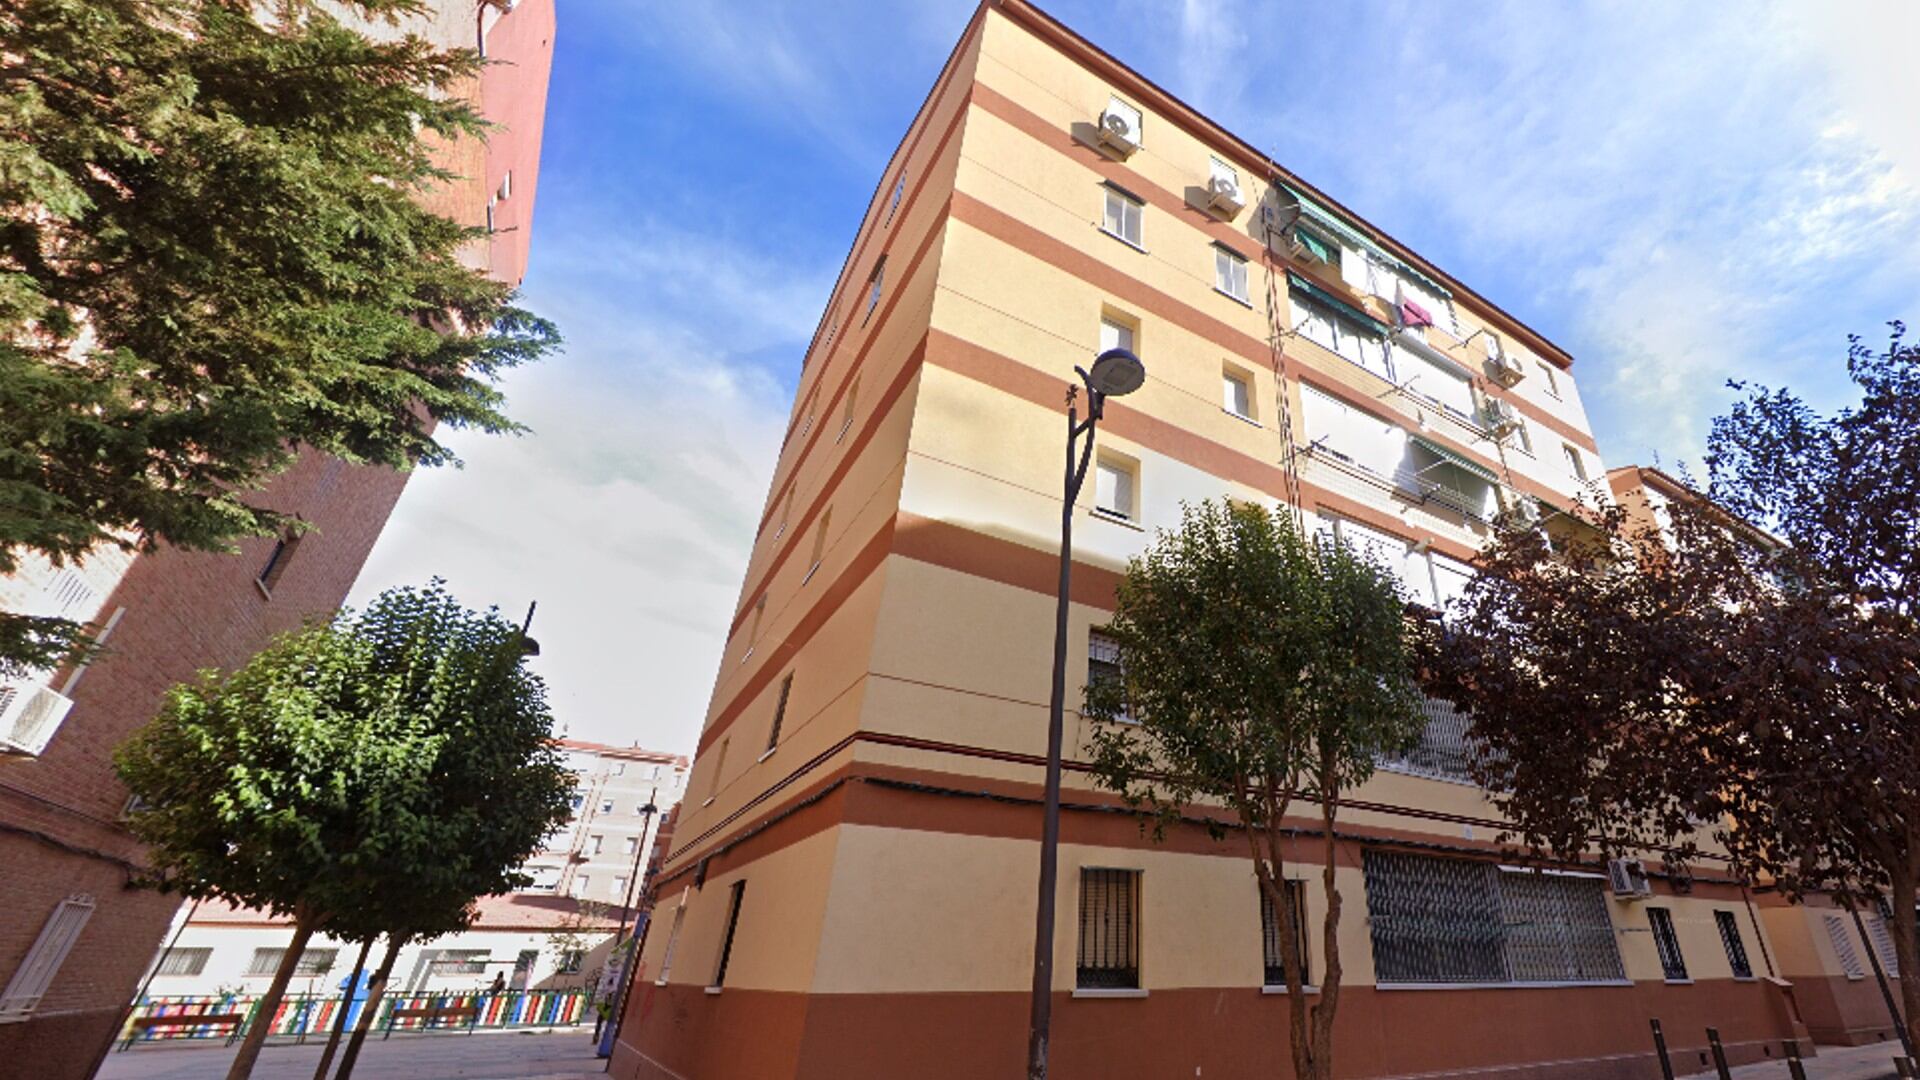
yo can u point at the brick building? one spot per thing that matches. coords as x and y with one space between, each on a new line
77 937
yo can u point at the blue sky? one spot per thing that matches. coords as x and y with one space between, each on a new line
1676 194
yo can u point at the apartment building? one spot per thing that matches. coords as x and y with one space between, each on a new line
79 936
1832 959
601 855
851 886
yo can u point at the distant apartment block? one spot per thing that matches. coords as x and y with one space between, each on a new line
78 939
851 884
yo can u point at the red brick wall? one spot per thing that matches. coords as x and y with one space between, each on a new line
58 813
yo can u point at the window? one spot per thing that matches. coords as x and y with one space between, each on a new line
1551 380
1230 273
874 287
312 962
577 801
1109 957
1883 944
779 712
596 842
1352 435
571 961
753 629
277 560
738 893
1444 751
606 807
1843 949
1575 463
620 886
1122 219
1460 921
1236 394
183 962
846 416
582 883
1736 948
899 190
461 961
1525 437
31 979
819 544
719 763
1342 336
673 940
807 425
1667 943
1103 662
1270 945
1113 488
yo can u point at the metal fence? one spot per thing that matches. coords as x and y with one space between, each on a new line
300 1017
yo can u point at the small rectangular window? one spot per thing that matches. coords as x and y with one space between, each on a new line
620 887
1230 273
183 962
819 544
571 961
1575 463
1123 216
1883 944
606 807
1237 394
629 845
673 939
738 893
899 190
1115 334
595 843
1103 662
1667 943
719 763
1843 949
1736 949
779 712
278 559
1550 379
582 883
1109 953
1523 436
846 415
1113 485
265 961
1270 943
875 284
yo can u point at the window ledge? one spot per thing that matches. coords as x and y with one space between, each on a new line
1750 978
1241 300
715 990
1137 247
811 570
765 756
1503 986
1282 990
265 593
1116 519
661 981
1242 417
708 801
1678 982
1116 992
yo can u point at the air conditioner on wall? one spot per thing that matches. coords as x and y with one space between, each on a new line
1629 879
1521 511
29 715
1120 127
1223 190
1505 369
1499 417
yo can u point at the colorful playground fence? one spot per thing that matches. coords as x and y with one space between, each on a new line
300 1017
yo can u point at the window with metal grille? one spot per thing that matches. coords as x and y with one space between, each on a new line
1270 943
1453 921
1736 948
1444 751
1667 943
1109 957
1103 663
1843 948
312 962
738 893
35 973
1883 944
461 962
183 962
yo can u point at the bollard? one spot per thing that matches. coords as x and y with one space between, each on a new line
1660 1045
1719 1054
1795 1070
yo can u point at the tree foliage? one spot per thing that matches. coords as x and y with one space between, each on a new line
1259 669
1695 684
372 775
212 252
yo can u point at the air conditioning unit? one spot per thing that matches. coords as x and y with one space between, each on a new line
1629 879
1505 369
29 715
1223 190
1521 511
1120 127
1499 417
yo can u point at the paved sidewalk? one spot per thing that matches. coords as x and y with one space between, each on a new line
564 1055
1871 1062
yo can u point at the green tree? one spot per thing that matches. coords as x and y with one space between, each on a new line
1259 670
378 773
212 253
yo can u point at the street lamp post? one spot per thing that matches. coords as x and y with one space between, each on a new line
1115 373
605 1033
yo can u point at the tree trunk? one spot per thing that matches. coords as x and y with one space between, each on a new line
1270 870
1329 1004
1904 939
376 988
262 1018
346 1006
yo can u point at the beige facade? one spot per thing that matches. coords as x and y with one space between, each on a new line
851 886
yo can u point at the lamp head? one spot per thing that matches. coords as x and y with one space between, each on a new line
1116 373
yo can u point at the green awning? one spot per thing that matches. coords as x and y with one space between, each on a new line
1339 307
1315 214
1320 248
1459 459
